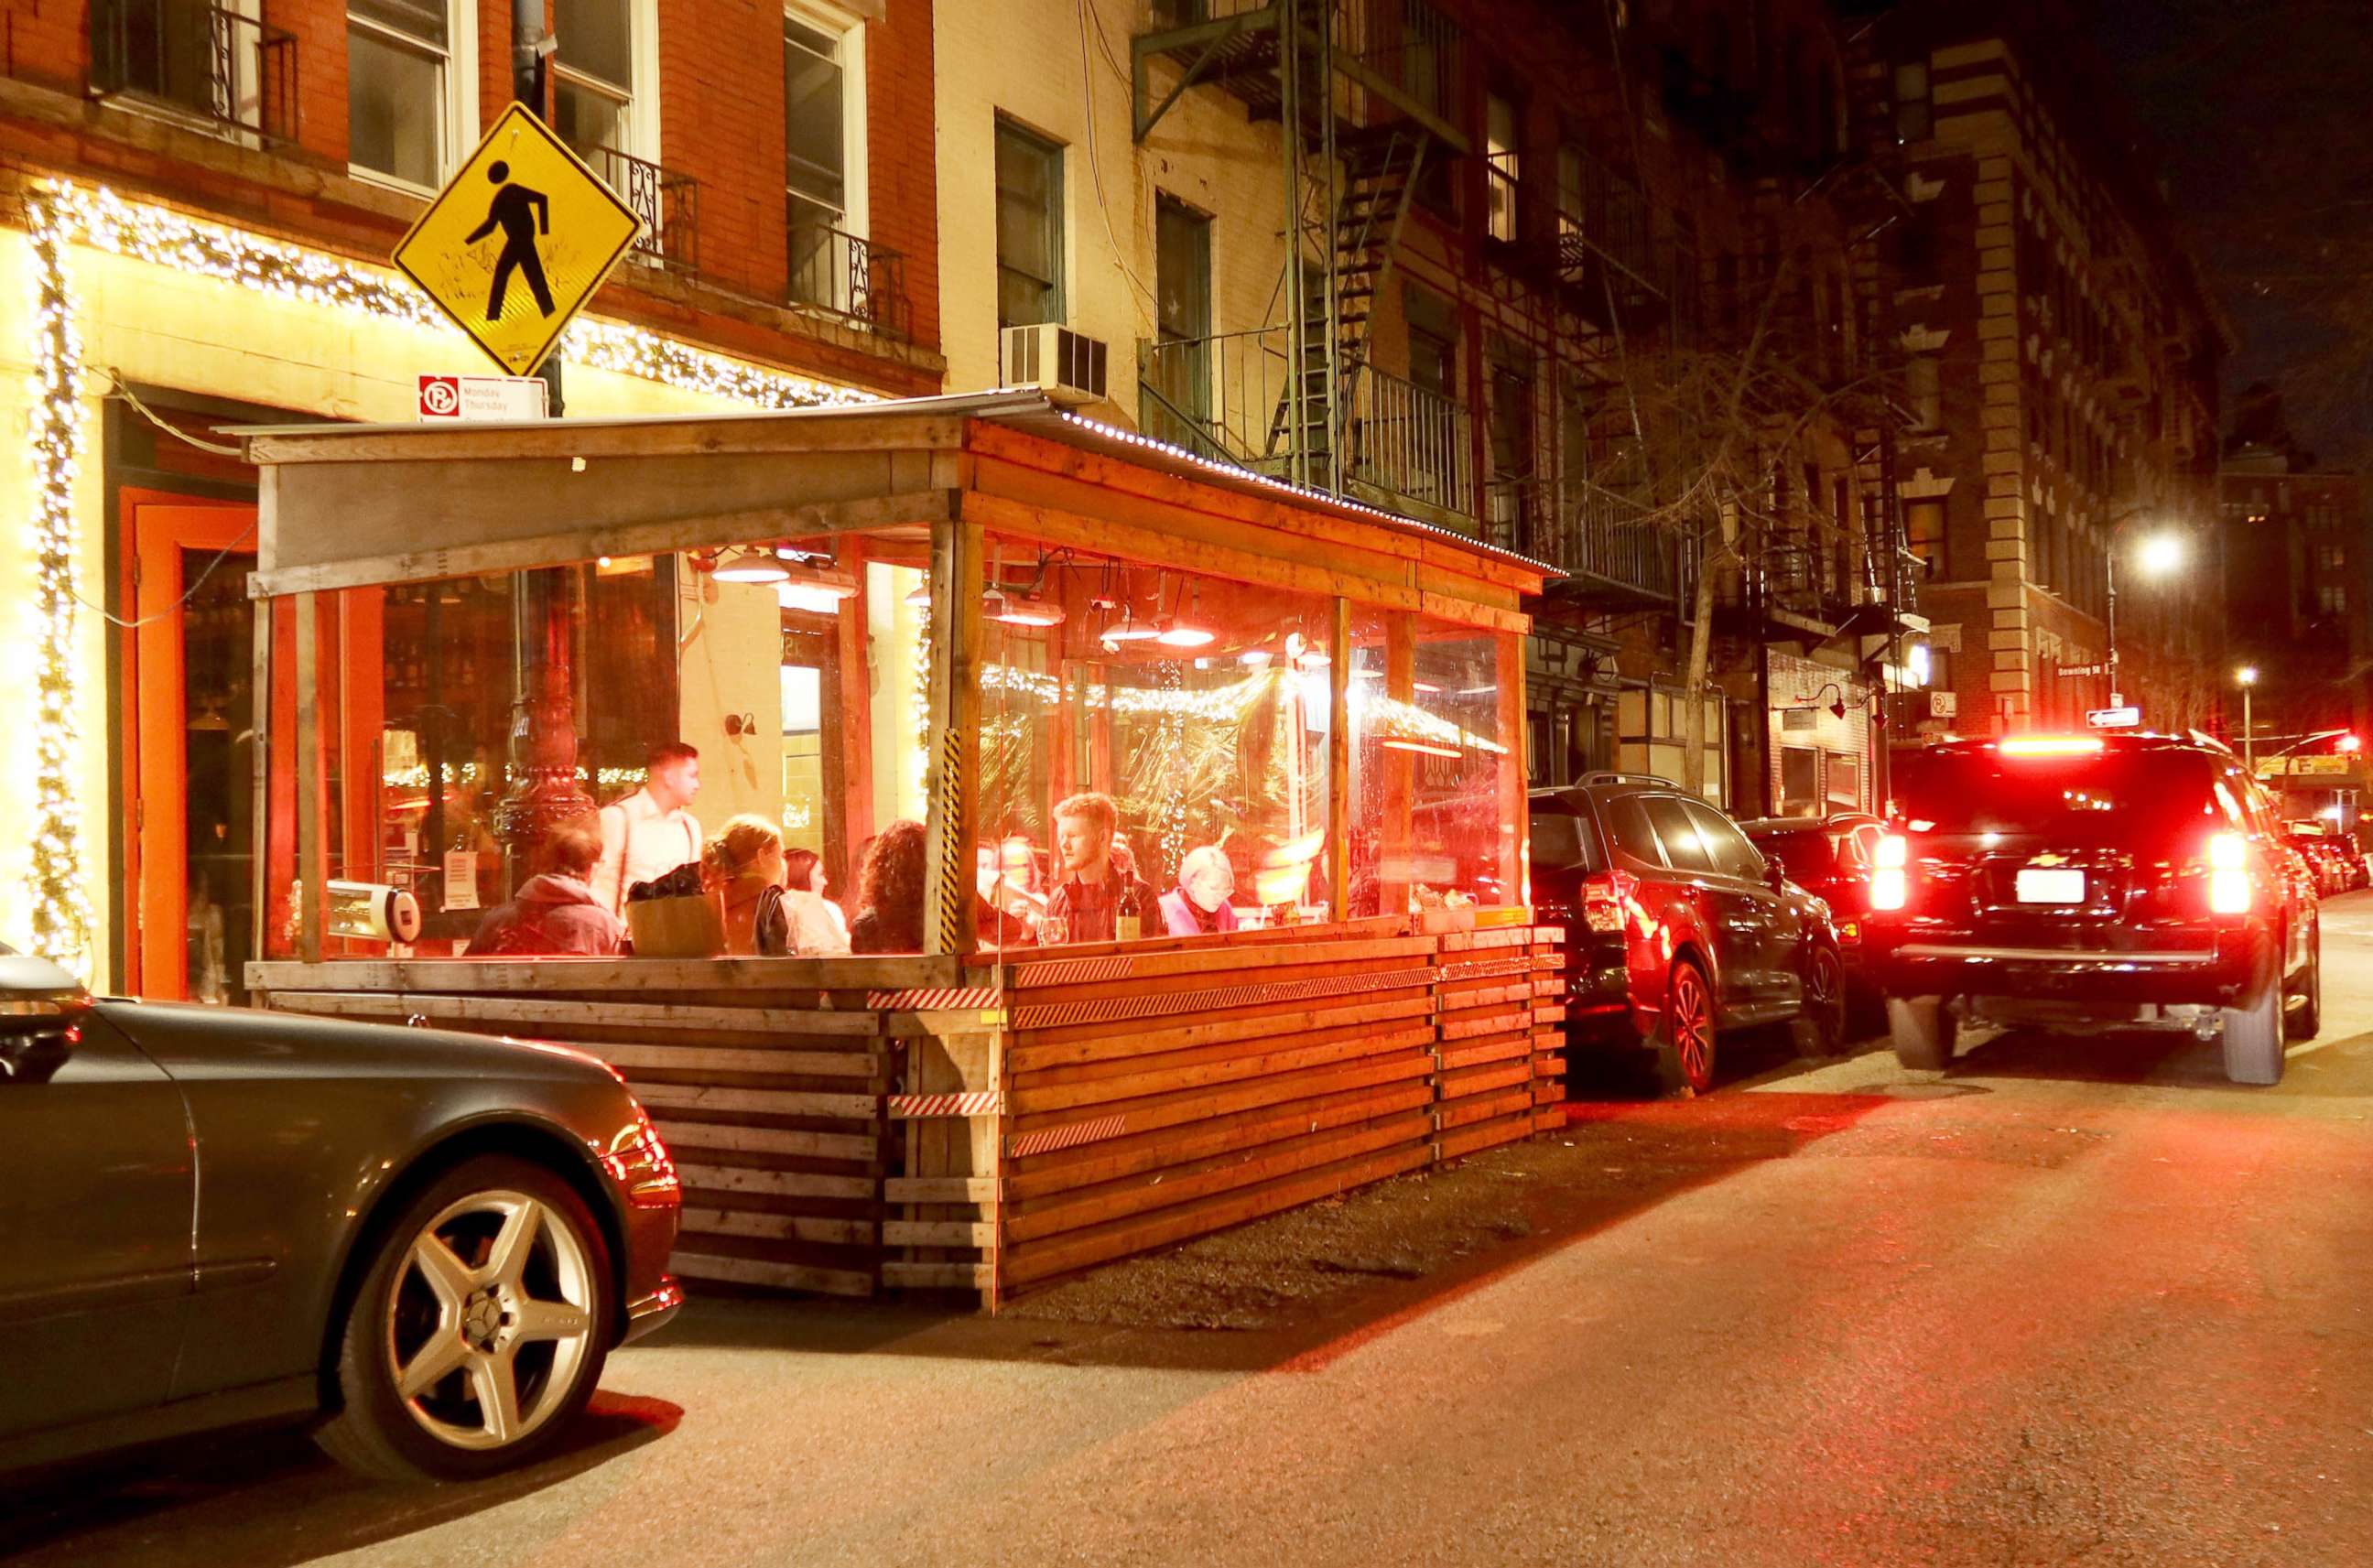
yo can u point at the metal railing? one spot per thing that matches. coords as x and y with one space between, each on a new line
1603 214
1224 397
1604 539
667 202
844 276
202 58
1411 53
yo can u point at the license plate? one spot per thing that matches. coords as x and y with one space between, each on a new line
2044 886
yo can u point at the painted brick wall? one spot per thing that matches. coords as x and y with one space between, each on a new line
46 40
319 30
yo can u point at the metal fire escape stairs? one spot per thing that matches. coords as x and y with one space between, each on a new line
1351 177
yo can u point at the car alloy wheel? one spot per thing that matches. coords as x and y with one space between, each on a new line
490 1319
1689 1022
1824 1015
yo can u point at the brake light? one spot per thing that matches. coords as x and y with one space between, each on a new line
1890 885
2051 745
2228 876
1603 897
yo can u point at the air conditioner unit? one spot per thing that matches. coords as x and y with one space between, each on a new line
1069 367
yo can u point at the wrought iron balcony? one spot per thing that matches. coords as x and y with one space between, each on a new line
1231 397
196 57
1612 550
1394 60
839 275
667 202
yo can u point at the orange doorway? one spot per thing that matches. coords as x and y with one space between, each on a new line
190 665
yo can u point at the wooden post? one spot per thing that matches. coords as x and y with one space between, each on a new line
855 739
1514 852
259 837
951 770
1394 854
1338 763
312 864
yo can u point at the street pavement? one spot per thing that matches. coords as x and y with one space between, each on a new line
2072 1302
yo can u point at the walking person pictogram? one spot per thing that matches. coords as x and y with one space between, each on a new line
521 214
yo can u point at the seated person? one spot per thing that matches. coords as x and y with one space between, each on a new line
744 867
890 892
1004 910
1091 887
556 912
1198 905
818 927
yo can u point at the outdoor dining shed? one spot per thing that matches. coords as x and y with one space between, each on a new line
904 635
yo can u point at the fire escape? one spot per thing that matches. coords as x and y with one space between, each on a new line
1368 97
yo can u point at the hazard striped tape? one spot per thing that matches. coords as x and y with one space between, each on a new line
908 1107
932 999
1072 971
1071 1136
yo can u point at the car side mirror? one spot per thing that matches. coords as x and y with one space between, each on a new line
1775 875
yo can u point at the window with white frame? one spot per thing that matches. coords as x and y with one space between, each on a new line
593 77
823 171
406 73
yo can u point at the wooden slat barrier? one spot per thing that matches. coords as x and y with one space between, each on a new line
1121 1099
775 1116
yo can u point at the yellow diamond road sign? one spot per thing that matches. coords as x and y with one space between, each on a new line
517 240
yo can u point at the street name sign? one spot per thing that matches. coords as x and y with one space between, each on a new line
464 398
517 242
2084 669
2114 718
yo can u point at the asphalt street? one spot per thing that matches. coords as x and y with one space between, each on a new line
2070 1302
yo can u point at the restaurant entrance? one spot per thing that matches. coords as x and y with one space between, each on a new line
190 850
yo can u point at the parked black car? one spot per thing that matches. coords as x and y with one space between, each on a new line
1830 858
1677 927
2082 883
427 1241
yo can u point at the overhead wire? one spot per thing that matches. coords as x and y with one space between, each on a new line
116 389
1095 172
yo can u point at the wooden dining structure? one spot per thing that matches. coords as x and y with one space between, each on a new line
969 608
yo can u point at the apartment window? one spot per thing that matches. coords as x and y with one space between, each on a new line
2332 599
1433 340
399 70
1500 166
593 77
1180 376
2330 557
823 171
1029 228
1923 534
1921 384
1915 112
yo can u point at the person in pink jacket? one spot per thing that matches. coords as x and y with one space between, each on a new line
1198 905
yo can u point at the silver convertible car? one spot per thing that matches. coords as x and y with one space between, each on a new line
425 1243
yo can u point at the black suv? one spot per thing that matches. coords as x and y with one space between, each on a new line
1676 927
2090 882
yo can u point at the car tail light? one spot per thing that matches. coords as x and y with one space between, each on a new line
638 1162
2052 746
2228 876
1890 884
1848 931
1603 897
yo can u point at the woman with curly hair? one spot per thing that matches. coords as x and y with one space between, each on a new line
890 892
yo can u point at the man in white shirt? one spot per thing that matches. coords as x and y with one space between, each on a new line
650 833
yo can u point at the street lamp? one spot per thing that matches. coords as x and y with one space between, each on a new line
2159 553
2247 675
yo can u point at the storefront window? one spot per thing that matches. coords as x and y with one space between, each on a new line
472 729
1197 710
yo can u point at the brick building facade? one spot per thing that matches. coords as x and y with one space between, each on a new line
200 198
2060 371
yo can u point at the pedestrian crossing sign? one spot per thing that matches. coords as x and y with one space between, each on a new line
517 242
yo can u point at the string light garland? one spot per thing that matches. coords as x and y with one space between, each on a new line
61 897
60 215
